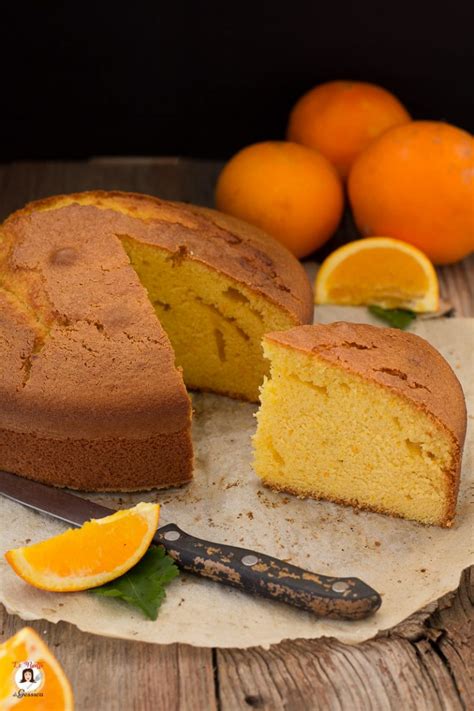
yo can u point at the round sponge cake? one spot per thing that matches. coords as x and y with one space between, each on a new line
106 301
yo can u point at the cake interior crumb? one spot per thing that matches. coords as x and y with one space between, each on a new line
327 433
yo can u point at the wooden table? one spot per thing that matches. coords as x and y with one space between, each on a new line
424 663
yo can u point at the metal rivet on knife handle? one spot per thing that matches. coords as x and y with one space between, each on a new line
249 560
171 535
340 586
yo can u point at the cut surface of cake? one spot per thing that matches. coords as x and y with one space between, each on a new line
110 303
361 415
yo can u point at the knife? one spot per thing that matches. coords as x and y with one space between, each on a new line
247 570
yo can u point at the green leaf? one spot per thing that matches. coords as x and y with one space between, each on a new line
397 318
144 585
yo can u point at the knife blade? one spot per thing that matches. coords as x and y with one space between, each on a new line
253 572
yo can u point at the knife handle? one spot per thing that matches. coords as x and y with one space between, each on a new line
259 574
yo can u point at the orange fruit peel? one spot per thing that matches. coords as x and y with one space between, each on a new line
378 270
340 118
79 559
291 192
56 690
416 183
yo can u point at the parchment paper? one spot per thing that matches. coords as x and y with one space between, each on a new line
410 564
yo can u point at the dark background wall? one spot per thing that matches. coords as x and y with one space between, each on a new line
205 78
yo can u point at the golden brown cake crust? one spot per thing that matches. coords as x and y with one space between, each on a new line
85 361
396 359
400 361
105 367
115 464
240 251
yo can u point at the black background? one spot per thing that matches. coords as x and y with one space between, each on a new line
203 79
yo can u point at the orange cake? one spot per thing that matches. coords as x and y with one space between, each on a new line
109 300
360 415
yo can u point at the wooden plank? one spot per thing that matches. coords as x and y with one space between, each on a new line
424 663
457 285
428 672
185 180
115 675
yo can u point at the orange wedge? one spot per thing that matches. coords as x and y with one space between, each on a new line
51 688
100 551
378 270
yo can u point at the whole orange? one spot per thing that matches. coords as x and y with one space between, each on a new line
341 118
416 183
289 191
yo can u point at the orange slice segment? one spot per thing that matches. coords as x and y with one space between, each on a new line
50 685
378 270
82 558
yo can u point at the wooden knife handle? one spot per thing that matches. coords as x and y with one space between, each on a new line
259 574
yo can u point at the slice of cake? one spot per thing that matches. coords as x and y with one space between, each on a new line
360 415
